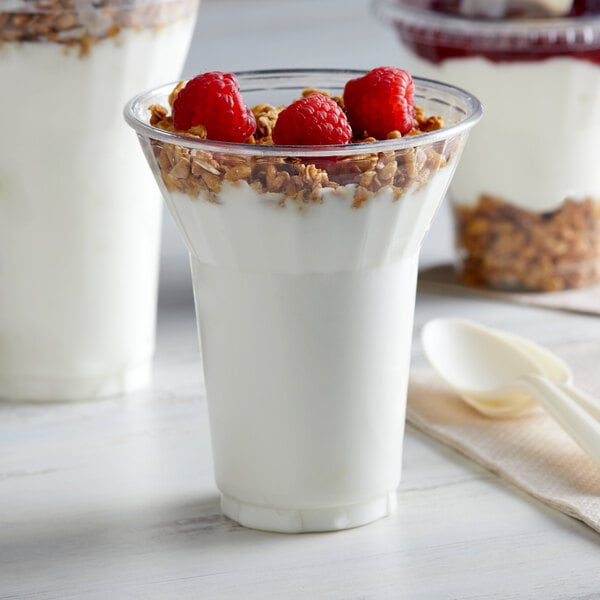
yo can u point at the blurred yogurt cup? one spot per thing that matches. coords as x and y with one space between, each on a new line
304 262
79 213
526 197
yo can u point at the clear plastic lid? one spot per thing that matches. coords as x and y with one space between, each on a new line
524 35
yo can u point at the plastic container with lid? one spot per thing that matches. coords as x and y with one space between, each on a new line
526 197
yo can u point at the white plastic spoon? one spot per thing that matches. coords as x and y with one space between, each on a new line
500 379
553 367
550 365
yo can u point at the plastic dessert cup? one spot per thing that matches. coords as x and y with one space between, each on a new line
526 197
79 213
305 293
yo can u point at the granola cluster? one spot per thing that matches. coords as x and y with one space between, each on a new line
506 247
295 179
82 23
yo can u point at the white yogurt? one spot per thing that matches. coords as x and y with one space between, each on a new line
305 314
79 215
250 231
538 142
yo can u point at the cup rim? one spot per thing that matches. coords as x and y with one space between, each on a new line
586 27
473 113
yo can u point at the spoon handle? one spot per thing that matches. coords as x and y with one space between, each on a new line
586 401
567 412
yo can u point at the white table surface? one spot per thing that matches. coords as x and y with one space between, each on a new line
116 499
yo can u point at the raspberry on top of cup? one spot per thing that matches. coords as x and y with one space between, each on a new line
377 106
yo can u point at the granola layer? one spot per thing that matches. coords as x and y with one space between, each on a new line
194 171
506 247
83 23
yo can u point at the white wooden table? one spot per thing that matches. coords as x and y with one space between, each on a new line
116 499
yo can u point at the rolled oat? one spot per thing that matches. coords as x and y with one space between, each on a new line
506 247
83 23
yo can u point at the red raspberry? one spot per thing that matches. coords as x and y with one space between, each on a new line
214 100
312 121
585 7
381 101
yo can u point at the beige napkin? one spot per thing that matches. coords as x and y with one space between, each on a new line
531 452
442 278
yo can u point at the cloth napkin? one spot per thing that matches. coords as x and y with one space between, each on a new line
442 278
532 452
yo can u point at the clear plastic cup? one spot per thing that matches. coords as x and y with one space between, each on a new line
79 212
526 197
304 262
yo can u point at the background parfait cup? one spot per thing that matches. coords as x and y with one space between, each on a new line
304 264
79 213
526 197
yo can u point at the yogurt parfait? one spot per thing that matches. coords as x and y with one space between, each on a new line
303 198
79 214
526 197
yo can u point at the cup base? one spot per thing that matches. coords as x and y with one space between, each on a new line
331 518
69 389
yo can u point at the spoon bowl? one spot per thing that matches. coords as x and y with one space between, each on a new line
552 366
502 375
480 365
